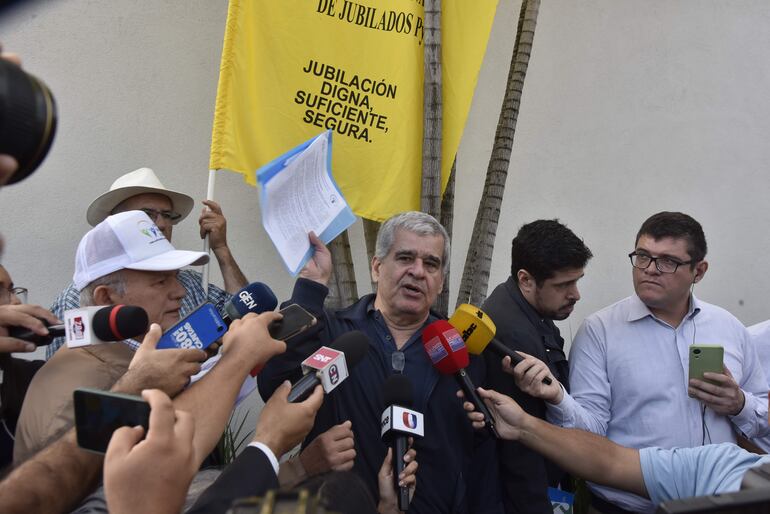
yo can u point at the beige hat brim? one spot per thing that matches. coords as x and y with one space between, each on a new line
103 205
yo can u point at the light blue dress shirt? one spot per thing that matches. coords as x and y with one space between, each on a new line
628 381
703 471
760 336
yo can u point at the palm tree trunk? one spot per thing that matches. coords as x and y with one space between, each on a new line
342 284
447 218
371 229
475 280
430 200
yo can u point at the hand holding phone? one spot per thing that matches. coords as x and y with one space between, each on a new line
99 413
167 450
706 357
295 320
721 394
199 329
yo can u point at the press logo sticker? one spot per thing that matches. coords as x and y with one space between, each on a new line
455 340
78 328
334 374
402 420
321 358
410 419
436 350
185 337
247 300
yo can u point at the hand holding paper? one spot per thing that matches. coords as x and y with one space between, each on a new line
300 196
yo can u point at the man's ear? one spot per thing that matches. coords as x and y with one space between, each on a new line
375 271
104 295
700 270
525 280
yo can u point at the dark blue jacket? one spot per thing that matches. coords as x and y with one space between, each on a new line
525 474
457 471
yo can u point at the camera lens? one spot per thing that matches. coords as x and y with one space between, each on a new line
27 119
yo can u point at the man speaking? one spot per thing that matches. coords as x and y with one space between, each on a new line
409 266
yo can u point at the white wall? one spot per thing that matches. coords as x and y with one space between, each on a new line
629 108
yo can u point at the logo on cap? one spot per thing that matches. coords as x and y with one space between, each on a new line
150 230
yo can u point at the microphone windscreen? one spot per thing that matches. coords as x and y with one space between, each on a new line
475 327
397 390
354 345
445 347
255 297
118 322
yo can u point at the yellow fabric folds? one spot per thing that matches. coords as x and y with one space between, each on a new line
291 69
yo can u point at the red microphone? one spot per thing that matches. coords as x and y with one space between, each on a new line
446 350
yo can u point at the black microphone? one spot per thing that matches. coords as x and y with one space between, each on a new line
110 323
398 423
329 365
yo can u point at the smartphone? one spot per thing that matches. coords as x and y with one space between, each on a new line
295 320
99 413
706 357
199 329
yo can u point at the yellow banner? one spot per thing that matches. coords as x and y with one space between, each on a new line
291 69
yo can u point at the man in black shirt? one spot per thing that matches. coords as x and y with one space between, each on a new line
547 260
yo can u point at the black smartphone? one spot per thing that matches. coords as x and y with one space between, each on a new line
99 413
295 320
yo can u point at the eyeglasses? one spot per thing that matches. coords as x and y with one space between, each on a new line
663 264
20 292
170 216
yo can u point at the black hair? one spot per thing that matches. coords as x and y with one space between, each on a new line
544 247
676 225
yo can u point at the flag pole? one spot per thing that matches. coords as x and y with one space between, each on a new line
209 196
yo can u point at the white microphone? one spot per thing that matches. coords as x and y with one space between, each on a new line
398 422
87 326
329 366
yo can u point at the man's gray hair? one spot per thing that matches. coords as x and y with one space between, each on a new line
115 280
417 222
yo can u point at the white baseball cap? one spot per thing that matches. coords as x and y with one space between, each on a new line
128 240
131 184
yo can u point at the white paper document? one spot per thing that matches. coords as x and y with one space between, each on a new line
298 196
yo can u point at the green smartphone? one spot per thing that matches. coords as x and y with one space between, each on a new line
706 357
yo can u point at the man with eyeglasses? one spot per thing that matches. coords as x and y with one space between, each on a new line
142 190
629 362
